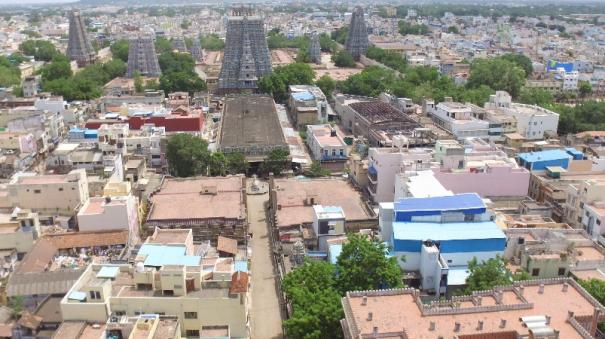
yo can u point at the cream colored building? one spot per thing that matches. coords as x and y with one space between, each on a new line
19 230
50 194
165 280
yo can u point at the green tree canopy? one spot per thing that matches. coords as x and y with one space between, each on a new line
278 81
364 264
340 35
326 84
187 155
57 69
10 74
119 50
178 73
236 163
584 88
41 50
407 28
343 58
536 96
326 43
498 74
389 58
520 60
212 42
488 274
276 162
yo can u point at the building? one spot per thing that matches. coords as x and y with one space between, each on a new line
543 308
210 206
385 163
439 236
357 37
196 50
308 106
56 194
570 81
293 203
540 161
533 122
327 146
246 57
250 126
178 44
139 326
457 119
142 59
315 49
202 291
31 85
19 229
79 48
109 213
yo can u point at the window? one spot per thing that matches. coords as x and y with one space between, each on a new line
581 205
190 315
561 271
119 313
60 189
598 222
535 272
342 152
95 295
37 191
192 333
333 152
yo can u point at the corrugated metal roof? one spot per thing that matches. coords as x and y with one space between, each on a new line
54 282
555 154
454 202
447 231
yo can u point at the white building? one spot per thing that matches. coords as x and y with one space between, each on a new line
533 122
325 143
457 119
109 213
570 81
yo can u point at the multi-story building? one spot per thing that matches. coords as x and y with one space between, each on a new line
109 213
570 81
57 194
19 229
542 308
533 122
438 236
167 278
210 206
308 105
31 85
583 203
385 163
327 146
457 119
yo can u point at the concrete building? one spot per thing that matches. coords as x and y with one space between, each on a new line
19 229
570 81
49 194
109 213
543 308
533 122
457 119
385 163
31 85
210 206
327 146
439 236
540 161
308 106
165 279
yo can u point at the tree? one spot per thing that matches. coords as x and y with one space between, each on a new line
138 83
343 58
41 50
453 29
371 81
364 264
340 35
326 43
595 288
162 45
315 300
499 74
407 28
536 96
178 73
317 171
212 42
326 84
303 55
520 60
217 164
584 88
17 305
276 162
59 68
491 273
119 50
278 81
187 155
236 163
9 72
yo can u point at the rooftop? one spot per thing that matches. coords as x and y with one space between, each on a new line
250 120
555 154
293 195
325 138
446 203
198 198
395 311
447 231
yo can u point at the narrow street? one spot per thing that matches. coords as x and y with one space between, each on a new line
265 316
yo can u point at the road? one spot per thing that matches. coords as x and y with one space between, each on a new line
265 315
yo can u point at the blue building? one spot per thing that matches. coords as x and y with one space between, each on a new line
438 236
538 161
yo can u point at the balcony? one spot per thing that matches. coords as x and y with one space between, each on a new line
334 157
372 174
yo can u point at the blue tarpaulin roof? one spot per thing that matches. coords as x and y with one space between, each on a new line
108 272
574 151
160 255
303 96
453 202
334 251
447 231
555 154
241 265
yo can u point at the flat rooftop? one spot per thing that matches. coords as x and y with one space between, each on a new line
292 193
395 311
184 199
250 121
